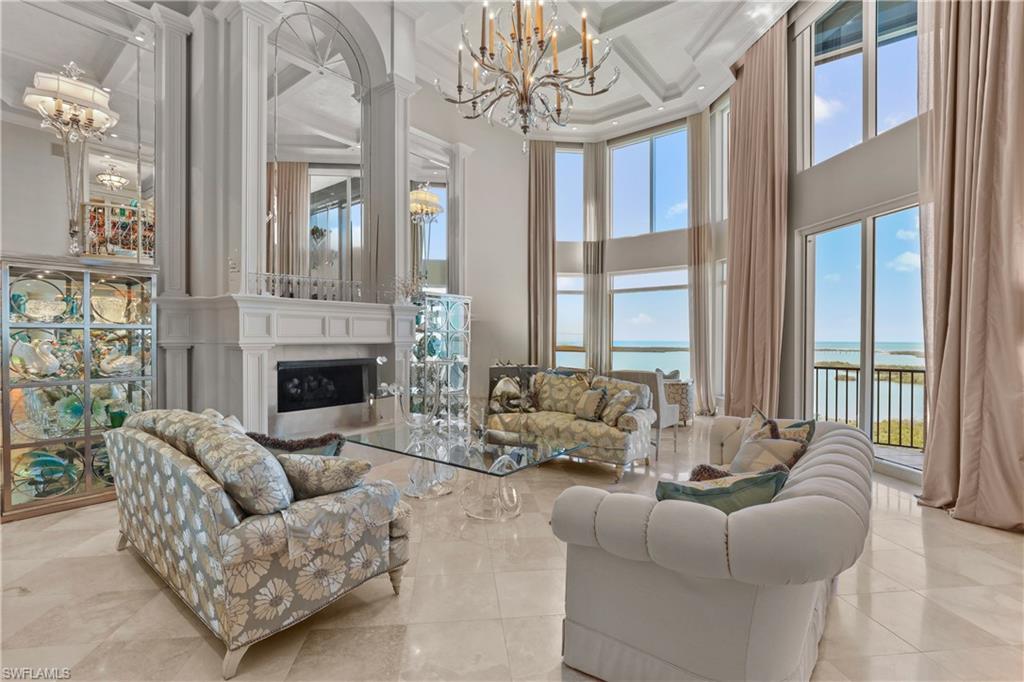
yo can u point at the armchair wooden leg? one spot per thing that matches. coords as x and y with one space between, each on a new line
396 578
122 541
675 438
231 660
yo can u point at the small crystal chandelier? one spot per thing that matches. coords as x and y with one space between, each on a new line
424 206
76 111
515 72
111 179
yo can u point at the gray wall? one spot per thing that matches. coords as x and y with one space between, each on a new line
496 195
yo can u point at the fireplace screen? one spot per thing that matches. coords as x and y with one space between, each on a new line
323 383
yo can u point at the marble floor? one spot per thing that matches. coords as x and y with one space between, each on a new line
930 599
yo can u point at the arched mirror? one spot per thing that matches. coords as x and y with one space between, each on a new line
315 189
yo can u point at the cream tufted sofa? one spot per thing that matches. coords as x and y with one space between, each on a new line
674 590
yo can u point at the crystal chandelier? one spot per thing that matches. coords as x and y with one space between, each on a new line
111 179
515 72
76 111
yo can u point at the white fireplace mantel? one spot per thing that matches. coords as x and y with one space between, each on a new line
231 340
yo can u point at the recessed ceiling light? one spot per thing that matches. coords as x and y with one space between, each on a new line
615 123
106 156
141 39
106 89
661 108
700 87
113 134
575 128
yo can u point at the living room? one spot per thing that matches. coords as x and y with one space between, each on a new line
708 308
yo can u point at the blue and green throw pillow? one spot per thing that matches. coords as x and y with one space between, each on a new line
727 494
766 443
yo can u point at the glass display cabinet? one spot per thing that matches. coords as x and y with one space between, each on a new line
439 367
78 359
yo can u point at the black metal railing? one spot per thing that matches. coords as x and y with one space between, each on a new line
899 412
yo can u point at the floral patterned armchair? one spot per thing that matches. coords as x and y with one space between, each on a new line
246 576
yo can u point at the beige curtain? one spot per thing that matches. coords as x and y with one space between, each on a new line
972 248
595 232
540 271
701 276
758 186
288 235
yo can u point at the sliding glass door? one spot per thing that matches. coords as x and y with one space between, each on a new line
864 347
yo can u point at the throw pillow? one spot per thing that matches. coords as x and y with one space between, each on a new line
727 494
315 475
706 472
641 391
618 405
591 403
557 393
506 396
765 443
674 374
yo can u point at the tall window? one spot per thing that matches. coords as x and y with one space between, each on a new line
569 195
897 62
648 183
569 349
651 321
435 264
721 292
850 35
838 80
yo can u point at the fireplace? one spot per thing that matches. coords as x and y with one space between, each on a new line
309 385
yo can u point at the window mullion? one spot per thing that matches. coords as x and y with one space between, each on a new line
650 184
869 15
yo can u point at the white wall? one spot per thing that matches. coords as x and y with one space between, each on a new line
34 199
496 197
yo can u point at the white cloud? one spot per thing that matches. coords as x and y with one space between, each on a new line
642 318
907 235
832 277
678 209
908 261
825 109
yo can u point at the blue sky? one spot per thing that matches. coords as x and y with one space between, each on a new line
897 276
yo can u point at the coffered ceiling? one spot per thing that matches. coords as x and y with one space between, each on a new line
674 56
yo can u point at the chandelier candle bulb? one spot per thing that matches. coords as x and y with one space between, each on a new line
519 19
540 18
583 34
483 30
476 75
490 42
590 49
460 66
554 49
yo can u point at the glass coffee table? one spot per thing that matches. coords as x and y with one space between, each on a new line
489 495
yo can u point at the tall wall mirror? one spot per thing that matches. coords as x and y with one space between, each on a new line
314 236
428 221
78 130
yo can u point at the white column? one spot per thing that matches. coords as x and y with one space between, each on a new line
246 29
385 224
171 95
256 387
457 157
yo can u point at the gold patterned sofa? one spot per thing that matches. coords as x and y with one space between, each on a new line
549 413
213 513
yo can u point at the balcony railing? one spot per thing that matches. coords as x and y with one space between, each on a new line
900 402
298 286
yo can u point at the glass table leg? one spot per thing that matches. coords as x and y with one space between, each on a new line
491 498
428 480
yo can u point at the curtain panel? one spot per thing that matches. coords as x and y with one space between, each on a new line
541 253
758 187
972 257
701 275
287 246
596 334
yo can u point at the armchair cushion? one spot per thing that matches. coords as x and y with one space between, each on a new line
340 517
314 475
248 472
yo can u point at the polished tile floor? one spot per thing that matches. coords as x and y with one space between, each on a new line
930 599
